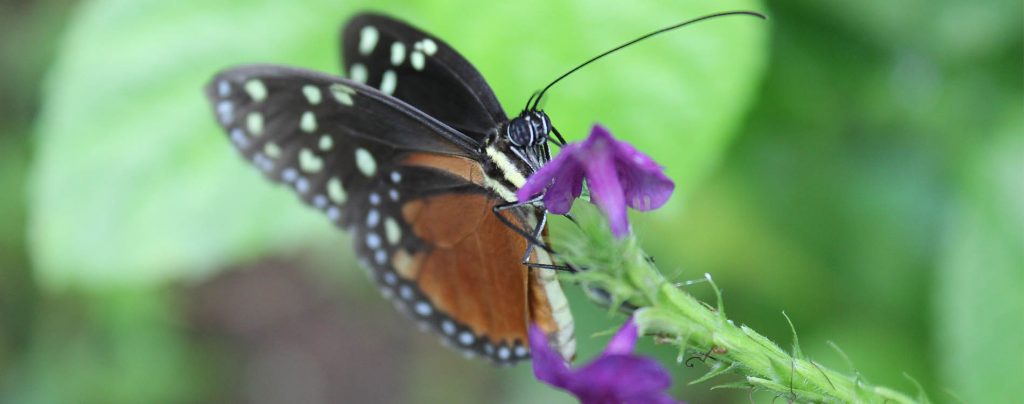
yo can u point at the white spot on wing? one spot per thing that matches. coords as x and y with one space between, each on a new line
225 111
423 308
239 139
254 122
365 162
381 257
272 150
289 174
308 122
504 353
312 94
373 240
389 82
320 201
405 292
392 231
396 177
417 60
302 185
397 53
466 338
373 218
263 162
448 327
357 72
223 88
256 89
335 191
429 46
342 93
368 39
326 142
333 213
309 162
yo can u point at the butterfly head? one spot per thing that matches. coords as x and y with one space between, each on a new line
529 129
516 150
526 137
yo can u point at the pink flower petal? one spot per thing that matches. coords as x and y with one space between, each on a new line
549 176
619 378
563 191
618 176
644 183
606 192
624 340
548 365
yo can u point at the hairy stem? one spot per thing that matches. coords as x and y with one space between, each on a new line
624 271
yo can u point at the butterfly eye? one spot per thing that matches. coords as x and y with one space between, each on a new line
521 132
541 127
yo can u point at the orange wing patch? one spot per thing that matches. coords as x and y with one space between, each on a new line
467 169
473 273
471 269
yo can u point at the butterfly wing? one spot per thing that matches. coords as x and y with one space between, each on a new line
411 191
422 70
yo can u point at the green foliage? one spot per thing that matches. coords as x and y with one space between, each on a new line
117 348
132 174
979 302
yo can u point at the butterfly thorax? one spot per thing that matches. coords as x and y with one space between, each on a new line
515 151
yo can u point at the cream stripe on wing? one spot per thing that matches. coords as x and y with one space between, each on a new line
566 337
510 171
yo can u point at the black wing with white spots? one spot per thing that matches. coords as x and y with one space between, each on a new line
364 159
422 70
335 142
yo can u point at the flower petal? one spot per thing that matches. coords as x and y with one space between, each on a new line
606 191
598 133
624 340
619 378
567 186
542 179
548 365
644 183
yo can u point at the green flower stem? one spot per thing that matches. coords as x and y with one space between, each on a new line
621 268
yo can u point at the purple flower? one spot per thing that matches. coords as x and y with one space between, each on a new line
617 376
618 176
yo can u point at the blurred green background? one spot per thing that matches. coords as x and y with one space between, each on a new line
859 165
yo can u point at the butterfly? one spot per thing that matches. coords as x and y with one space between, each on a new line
412 155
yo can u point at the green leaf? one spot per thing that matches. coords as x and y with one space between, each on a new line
134 183
717 369
979 300
797 352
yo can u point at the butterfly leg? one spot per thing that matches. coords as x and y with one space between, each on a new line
533 237
529 249
498 209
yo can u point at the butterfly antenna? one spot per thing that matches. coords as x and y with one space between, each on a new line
530 100
536 100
